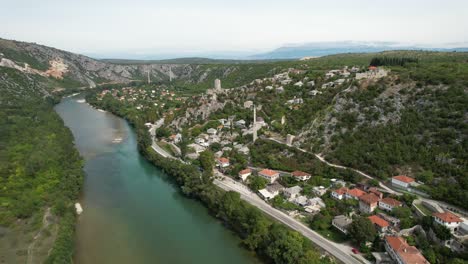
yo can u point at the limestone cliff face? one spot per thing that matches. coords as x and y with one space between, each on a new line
51 62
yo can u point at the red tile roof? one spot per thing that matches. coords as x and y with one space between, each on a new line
407 253
369 198
356 192
376 220
404 178
341 190
246 171
223 160
390 201
299 174
268 172
448 217
375 191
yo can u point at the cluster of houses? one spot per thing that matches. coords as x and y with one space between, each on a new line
372 73
141 97
216 135
388 226
292 194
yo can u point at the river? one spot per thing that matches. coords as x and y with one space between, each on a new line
132 212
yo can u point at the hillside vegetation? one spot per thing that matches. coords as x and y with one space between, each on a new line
40 170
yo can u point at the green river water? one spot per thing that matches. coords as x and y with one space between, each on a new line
132 212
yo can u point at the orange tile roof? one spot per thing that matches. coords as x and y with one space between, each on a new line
407 253
268 172
245 171
369 198
341 190
375 191
448 217
391 201
376 220
223 160
404 178
299 173
356 192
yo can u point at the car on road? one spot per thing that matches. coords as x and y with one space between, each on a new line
355 251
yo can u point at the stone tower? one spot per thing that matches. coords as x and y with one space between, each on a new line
217 84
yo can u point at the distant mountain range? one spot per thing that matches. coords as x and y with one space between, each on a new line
286 52
317 49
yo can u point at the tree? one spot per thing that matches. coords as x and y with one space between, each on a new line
256 183
362 230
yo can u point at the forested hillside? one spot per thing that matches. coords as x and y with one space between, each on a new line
40 172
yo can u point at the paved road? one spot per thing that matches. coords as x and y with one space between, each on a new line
340 251
322 159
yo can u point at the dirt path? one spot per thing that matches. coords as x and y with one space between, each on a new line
45 223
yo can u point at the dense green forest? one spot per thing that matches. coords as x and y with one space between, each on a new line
39 165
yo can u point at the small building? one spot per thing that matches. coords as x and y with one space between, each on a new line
300 175
339 193
300 200
244 174
248 104
402 181
354 194
211 131
392 220
342 222
292 192
368 203
311 84
448 219
389 203
280 89
401 252
271 191
319 190
376 192
270 175
379 223
223 162
299 84
289 139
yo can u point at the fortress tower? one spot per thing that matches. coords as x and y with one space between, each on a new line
217 84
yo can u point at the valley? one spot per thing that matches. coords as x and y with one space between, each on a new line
322 141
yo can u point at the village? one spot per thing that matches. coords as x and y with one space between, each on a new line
329 206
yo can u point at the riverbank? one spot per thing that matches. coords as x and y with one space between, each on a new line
272 241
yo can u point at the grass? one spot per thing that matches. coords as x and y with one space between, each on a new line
423 209
333 235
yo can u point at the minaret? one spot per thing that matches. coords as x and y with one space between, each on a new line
149 79
170 73
254 123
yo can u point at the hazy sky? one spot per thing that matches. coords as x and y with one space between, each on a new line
171 26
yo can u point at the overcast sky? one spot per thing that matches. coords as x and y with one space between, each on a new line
172 26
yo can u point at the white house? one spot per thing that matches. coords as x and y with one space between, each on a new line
243 174
339 193
300 175
402 253
212 131
389 203
402 181
270 175
271 191
223 162
449 220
